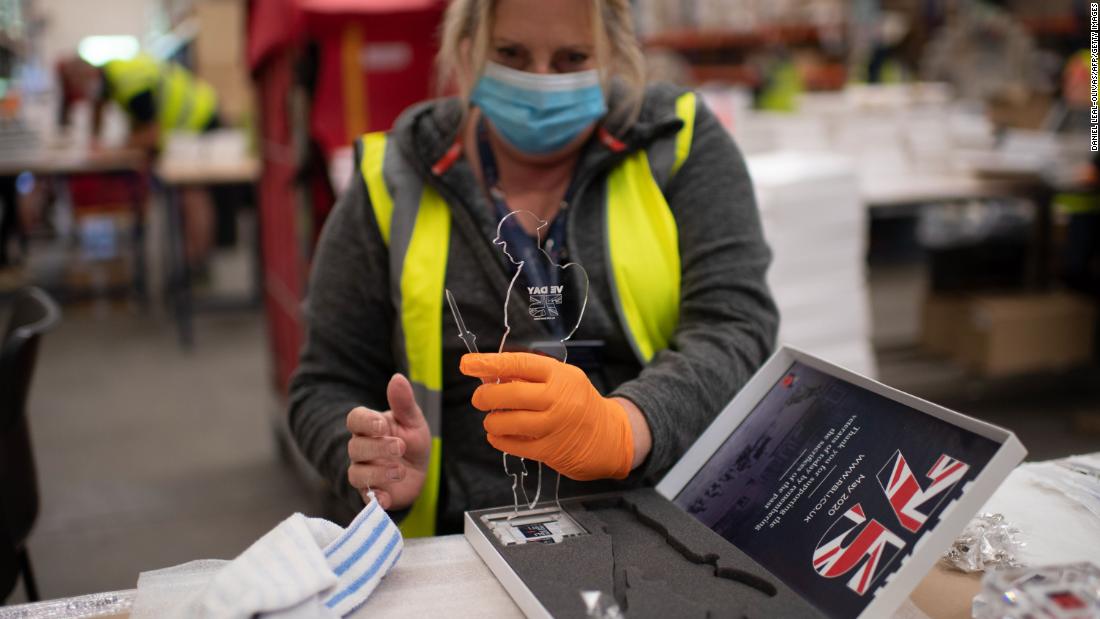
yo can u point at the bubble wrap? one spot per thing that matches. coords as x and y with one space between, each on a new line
113 603
987 542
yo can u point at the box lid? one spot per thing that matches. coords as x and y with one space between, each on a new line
846 490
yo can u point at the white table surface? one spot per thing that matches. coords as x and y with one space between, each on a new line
177 172
443 576
435 577
58 160
880 191
439 577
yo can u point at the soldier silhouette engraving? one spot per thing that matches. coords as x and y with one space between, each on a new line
544 304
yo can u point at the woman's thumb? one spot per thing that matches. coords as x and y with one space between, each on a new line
399 394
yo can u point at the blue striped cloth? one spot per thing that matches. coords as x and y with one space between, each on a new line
304 567
361 556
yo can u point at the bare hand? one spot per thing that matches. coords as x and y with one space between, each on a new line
389 450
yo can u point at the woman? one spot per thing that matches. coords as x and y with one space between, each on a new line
641 186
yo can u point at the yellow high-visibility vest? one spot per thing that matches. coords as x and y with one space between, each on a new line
415 222
183 102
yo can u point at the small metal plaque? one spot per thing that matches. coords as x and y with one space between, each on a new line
542 525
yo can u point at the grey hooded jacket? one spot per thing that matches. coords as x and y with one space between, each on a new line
727 318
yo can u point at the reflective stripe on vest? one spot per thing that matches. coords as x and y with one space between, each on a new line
685 111
643 246
417 238
414 221
182 101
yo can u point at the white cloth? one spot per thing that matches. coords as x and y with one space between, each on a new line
1054 528
304 567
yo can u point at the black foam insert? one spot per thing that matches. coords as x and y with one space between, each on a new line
655 559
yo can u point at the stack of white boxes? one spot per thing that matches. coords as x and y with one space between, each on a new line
816 225
812 170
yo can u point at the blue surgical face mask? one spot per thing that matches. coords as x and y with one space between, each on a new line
537 113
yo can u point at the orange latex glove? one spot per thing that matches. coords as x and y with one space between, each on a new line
548 411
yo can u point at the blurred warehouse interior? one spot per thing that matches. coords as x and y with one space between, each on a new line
921 168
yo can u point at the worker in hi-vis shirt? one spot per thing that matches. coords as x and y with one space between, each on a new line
157 98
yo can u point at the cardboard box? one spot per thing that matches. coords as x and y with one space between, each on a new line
235 94
1005 334
1019 110
947 594
1002 335
941 323
219 54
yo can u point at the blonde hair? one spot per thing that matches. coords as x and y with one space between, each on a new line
617 50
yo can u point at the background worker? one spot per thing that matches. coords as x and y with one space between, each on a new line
158 98
645 189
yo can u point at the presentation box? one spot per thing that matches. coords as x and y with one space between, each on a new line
816 492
